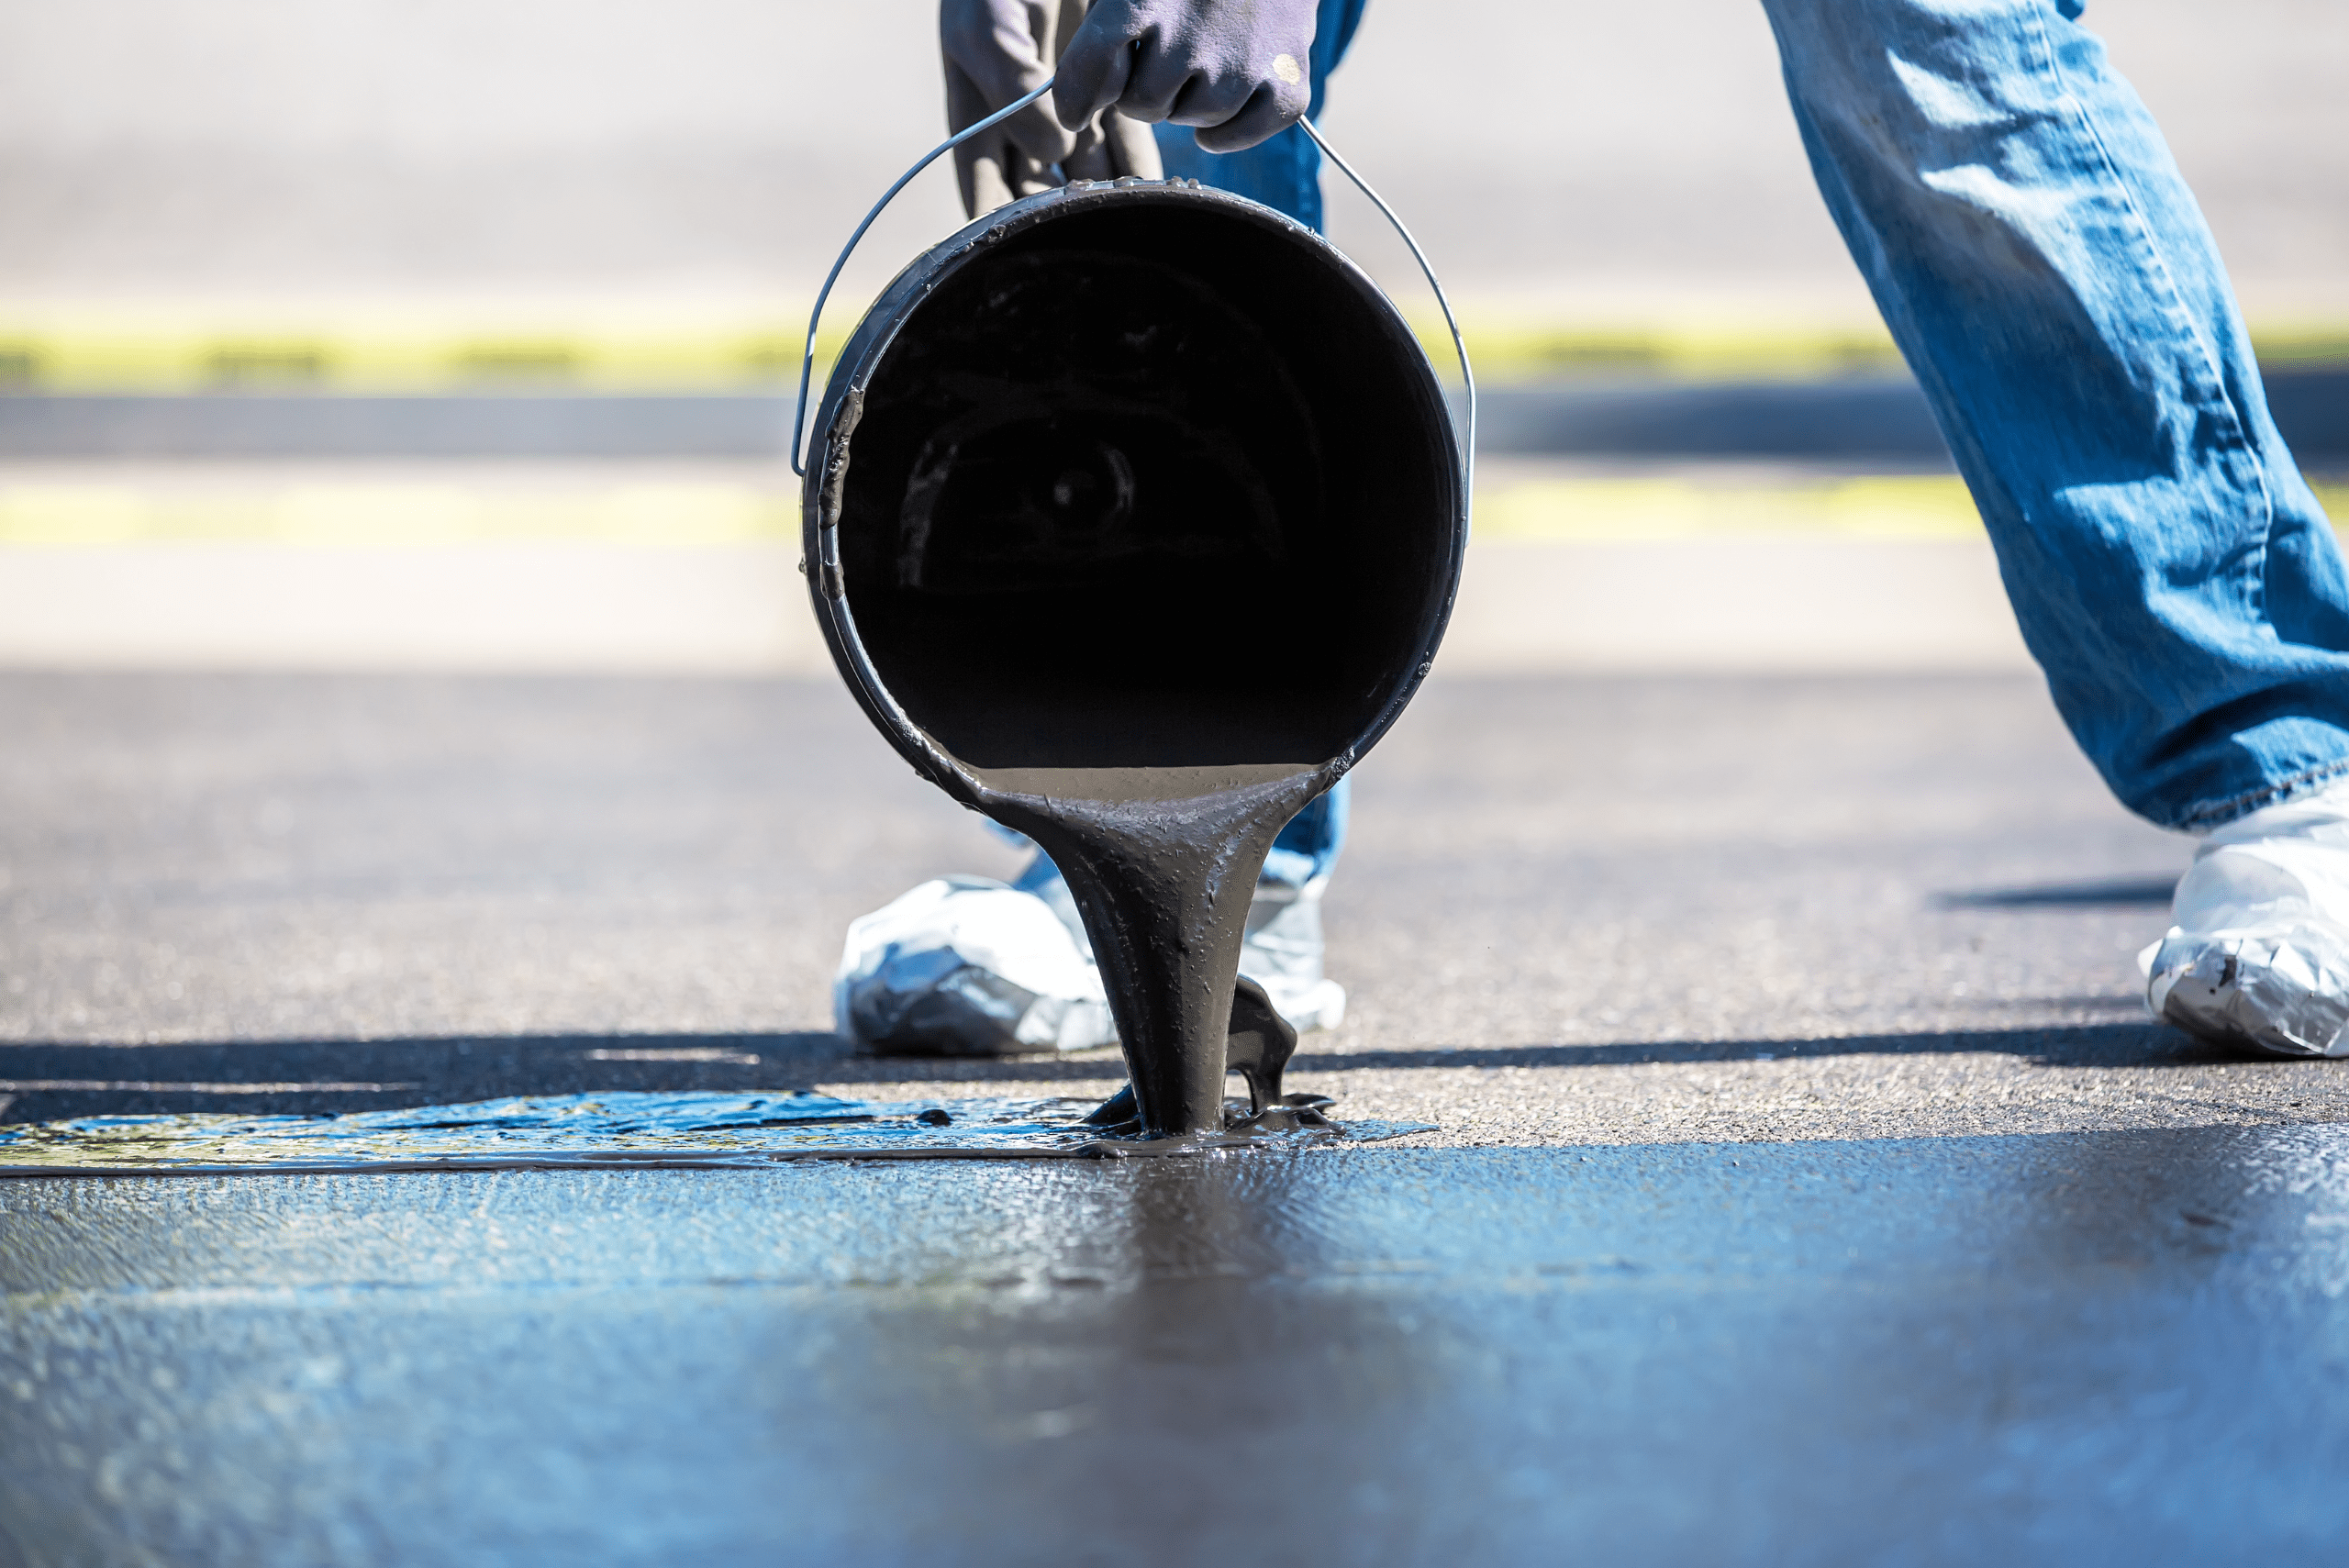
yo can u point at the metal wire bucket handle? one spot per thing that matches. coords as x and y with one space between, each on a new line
1467 376
807 352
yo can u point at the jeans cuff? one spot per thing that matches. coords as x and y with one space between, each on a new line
2212 814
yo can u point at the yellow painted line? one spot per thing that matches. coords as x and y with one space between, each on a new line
1587 509
1506 350
2312 346
1891 507
160 348
688 515
80 352
379 514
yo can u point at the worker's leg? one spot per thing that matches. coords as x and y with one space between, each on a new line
1285 172
2047 273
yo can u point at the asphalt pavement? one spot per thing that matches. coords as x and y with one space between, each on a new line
1807 1183
1880 420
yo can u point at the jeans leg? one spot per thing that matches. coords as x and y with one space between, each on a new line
2046 271
1285 174
1308 846
1282 172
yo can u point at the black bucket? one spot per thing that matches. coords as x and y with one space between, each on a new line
1145 480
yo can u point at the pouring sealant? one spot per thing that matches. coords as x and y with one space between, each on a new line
1138 518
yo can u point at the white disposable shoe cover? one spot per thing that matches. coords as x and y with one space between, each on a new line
2258 950
1282 952
968 966
1280 949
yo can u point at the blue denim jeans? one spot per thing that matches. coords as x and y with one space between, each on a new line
2058 295
1285 174
2044 269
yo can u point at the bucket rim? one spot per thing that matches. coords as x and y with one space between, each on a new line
840 410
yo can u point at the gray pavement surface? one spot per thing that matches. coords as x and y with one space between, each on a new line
1809 1186
2101 1348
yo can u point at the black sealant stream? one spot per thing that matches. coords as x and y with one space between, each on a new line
1163 864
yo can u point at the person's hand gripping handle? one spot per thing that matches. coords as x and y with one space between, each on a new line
1237 71
999 51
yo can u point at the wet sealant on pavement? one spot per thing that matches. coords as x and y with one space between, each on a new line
2118 1347
1809 1185
623 1130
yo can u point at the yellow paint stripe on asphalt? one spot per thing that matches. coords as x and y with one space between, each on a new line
1884 507
331 514
1505 352
95 356
713 513
1888 506
1509 350
95 348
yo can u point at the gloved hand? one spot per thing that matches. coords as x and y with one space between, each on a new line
999 50
1238 70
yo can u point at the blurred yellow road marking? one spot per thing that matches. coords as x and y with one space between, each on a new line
679 513
95 346
396 513
1887 507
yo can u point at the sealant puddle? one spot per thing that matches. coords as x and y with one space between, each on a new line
627 1130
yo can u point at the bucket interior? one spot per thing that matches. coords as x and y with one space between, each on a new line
1151 484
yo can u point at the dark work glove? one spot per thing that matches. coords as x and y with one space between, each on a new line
999 50
1238 70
